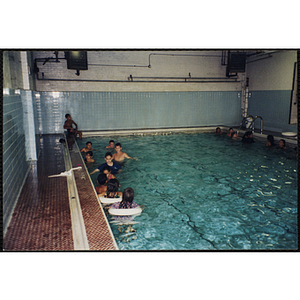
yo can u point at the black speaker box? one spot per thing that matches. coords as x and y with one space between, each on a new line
76 60
236 62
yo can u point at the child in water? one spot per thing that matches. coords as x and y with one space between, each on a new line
111 145
281 144
112 189
120 156
107 171
101 179
89 157
230 132
126 203
270 141
218 130
115 168
88 147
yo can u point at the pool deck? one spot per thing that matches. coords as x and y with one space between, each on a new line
41 220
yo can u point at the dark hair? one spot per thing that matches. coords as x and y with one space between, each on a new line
247 134
112 141
118 144
88 143
283 142
270 138
89 153
112 187
108 154
106 168
101 179
127 198
67 115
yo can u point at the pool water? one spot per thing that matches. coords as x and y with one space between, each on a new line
203 191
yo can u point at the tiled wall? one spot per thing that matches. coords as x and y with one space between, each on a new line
274 108
137 110
15 166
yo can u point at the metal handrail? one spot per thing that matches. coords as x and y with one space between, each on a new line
261 123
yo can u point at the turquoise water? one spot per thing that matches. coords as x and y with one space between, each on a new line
206 192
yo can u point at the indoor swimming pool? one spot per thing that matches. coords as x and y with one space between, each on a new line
202 191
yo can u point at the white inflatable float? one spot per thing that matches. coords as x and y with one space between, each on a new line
289 134
125 211
105 200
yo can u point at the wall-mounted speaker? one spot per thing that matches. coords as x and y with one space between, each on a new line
76 60
236 62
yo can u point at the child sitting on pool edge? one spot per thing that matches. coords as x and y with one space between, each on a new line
72 132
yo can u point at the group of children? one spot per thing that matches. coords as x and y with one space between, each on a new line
248 138
107 181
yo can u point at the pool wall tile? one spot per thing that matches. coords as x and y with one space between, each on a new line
15 165
274 108
136 110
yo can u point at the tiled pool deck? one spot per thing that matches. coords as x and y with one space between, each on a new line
41 220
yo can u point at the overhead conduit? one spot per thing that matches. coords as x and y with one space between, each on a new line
139 79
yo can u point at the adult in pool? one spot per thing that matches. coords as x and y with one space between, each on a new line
115 168
120 156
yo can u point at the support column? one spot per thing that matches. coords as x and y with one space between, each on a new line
28 111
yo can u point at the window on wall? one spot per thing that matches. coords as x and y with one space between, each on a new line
294 98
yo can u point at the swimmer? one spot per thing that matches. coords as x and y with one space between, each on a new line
101 179
115 168
234 135
111 145
120 156
248 138
218 130
126 203
270 141
107 171
281 144
230 132
88 147
112 189
89 157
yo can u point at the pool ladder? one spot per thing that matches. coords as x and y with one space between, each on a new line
252 123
